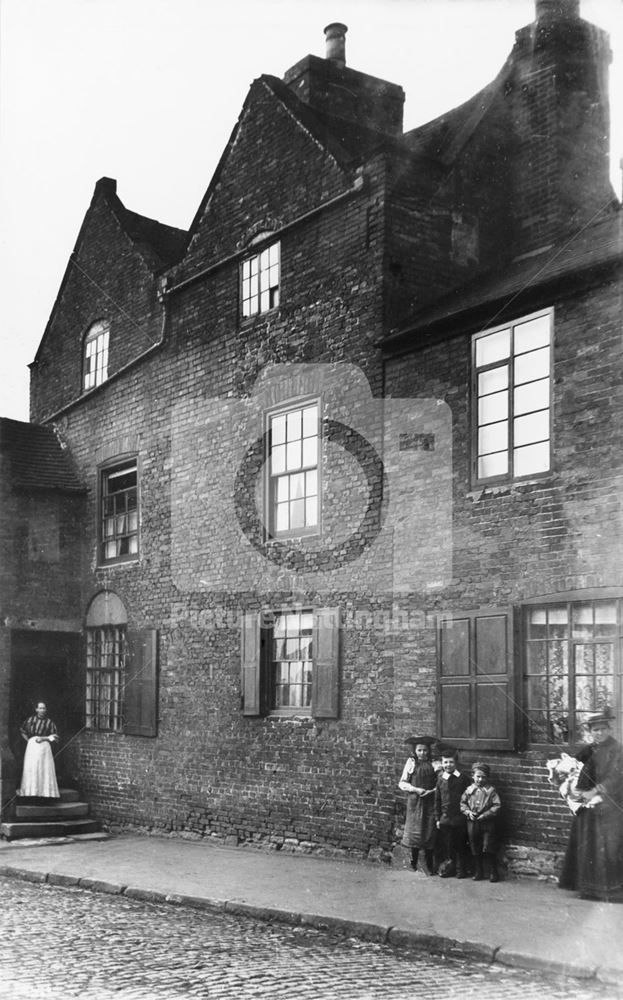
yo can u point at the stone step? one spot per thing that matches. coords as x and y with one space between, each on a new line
17 831
69 795
56 810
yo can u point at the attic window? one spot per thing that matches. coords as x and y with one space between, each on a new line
259 281
95 364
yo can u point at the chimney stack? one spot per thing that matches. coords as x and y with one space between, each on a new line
335 35
549 10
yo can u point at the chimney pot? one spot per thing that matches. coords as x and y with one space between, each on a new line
549 10
335 35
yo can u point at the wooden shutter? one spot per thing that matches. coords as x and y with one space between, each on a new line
140 700
326 656
251 664
476 694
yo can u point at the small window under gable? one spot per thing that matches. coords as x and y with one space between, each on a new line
259 280
95 361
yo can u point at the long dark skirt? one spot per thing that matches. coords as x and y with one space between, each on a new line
420 828
593 864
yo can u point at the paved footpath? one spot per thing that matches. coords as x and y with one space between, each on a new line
525 924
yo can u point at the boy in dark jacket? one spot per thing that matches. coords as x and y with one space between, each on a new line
451 822
480 804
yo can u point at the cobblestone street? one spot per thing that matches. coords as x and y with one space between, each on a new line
70 943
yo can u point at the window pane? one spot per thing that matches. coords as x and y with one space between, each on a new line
293 421
493 465
558 696
311 483
310 451
311 512
531 428
605 614
536 659
278 429
297 514
493 437
310 421
582 617
531 459
493 407
532 396
278 459
283 493
293 459
532 366
558 616
282 517
534 333
493 380
537 692
297 486
493 347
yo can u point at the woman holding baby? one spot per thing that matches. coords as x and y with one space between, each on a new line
593 862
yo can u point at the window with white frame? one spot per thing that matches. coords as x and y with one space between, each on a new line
293 473
291 659
572 666
95 363
259 281
119 512
512 368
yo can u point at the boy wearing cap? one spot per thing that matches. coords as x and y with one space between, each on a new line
418 780
451 783
480 804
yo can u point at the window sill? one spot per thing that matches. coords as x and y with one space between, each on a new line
481 490
289 713
248 321
133 561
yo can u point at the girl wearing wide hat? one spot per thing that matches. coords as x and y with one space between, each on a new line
593 862
418 780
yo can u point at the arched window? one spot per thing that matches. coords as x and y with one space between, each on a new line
121 671
95 364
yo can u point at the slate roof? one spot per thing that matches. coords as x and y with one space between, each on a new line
36 460
521 283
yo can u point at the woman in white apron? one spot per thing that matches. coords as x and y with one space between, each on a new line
39 774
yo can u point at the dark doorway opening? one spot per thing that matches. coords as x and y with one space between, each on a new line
46 666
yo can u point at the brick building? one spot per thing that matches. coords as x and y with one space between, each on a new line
351 454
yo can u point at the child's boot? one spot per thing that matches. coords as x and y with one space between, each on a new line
493 869
414 856
431 867
479 873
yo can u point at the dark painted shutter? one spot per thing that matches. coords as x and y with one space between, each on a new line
326 657
140 700
251 663
477 706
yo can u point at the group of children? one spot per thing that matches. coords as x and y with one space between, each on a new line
449 816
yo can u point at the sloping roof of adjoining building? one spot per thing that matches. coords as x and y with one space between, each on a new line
160 244
36 460
166 242
524 283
